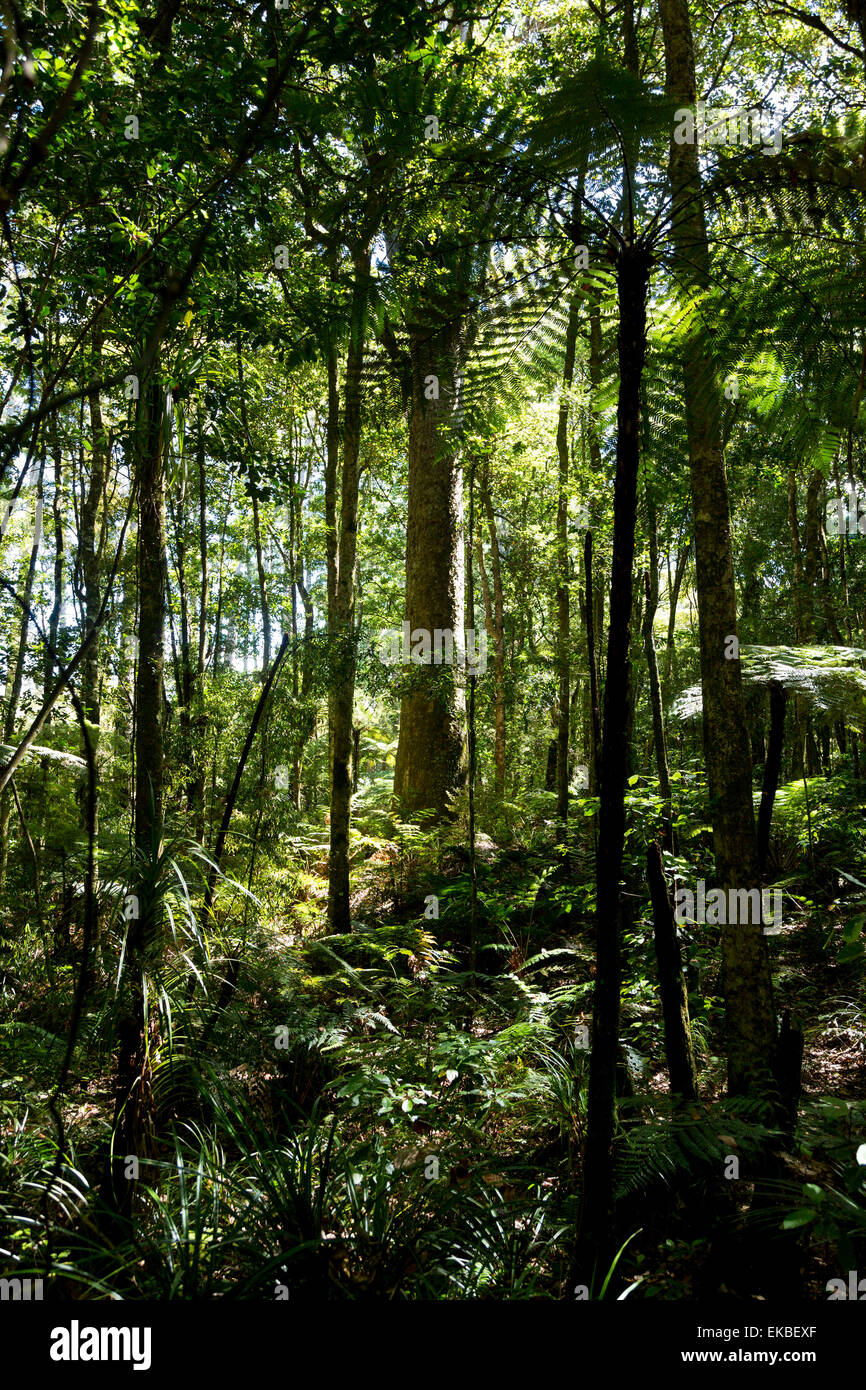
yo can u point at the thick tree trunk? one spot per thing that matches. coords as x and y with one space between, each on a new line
751 1023
431 763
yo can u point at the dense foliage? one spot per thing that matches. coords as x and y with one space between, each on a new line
414 434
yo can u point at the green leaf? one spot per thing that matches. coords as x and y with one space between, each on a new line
802 1217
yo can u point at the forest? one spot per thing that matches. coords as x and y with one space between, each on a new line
433 651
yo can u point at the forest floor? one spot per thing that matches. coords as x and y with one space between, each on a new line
415 1060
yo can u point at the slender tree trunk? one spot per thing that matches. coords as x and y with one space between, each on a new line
801 626
53 626
151 622
339 915
263 590
674 598
195 788
471 740
495 624
332 465
751 1023
130 1084
828 591
57 605
655 694
592 660
813 548
772 768
90 553
563 616
633 270
675 1000
22 618
307 713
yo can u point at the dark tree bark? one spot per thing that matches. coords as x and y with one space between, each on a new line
151 620
130 1063
263 590
563 615
675 1000
195 791
802 625
343 636
595 706
655 693
633 269
90 560
772 768
495 624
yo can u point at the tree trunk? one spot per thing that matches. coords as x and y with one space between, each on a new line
592 660
673 600
633 269
563 616
675 1000
655 693
430 763
53 624
772 768
344 651
90 553
151 623
332 465
195 790
263 591
751 1023
495 623
798 743
129 1099
22 617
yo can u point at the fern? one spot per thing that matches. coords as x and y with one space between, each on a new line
677 1143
